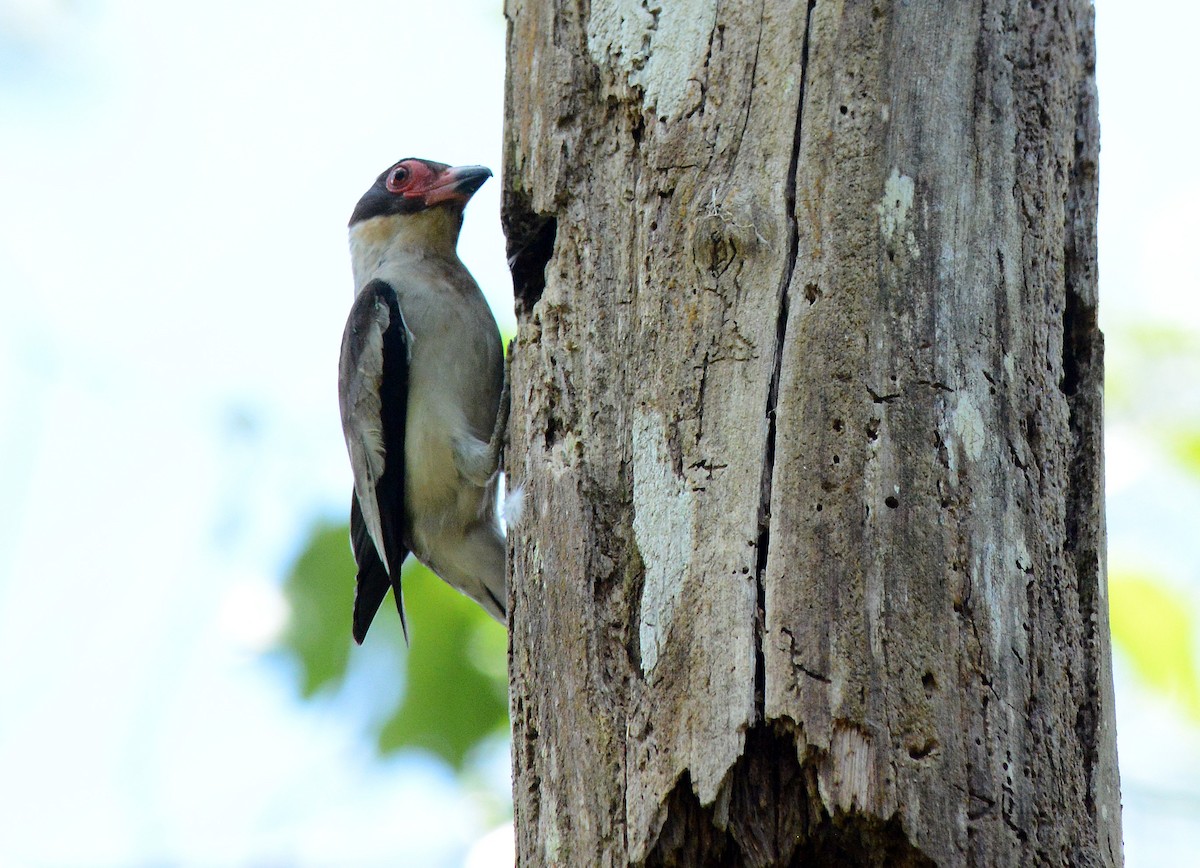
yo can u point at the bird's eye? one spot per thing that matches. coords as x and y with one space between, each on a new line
397 179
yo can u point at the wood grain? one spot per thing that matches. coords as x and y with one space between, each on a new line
807 404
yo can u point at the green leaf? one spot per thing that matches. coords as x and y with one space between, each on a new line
457 682
1155 626
455 689
320 593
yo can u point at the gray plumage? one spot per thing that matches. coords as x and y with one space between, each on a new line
420 380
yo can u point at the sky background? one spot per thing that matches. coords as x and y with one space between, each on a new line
174 186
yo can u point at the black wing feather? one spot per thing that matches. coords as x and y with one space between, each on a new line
374 576
373 581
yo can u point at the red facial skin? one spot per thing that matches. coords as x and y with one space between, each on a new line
414 179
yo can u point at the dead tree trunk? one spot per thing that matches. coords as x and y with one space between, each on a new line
807 403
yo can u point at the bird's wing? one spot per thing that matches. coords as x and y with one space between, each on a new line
373 394
373 581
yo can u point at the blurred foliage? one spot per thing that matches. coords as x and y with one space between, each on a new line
1152 397
316 591
454 694
1152 386
1184 447
457 690
1155 626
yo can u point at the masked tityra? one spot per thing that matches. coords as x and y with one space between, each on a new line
420 381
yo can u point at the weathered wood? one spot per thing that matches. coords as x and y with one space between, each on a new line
807 406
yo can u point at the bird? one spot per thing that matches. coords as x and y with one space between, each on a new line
420 382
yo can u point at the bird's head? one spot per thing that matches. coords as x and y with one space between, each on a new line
413 187
414 207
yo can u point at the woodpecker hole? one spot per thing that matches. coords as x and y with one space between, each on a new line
531 237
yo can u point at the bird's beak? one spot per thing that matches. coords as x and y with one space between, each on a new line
457 184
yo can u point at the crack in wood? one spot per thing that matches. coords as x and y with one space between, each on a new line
785 284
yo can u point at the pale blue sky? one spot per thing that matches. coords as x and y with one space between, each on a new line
173 284
174 186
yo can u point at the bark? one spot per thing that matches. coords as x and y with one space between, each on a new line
807 404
